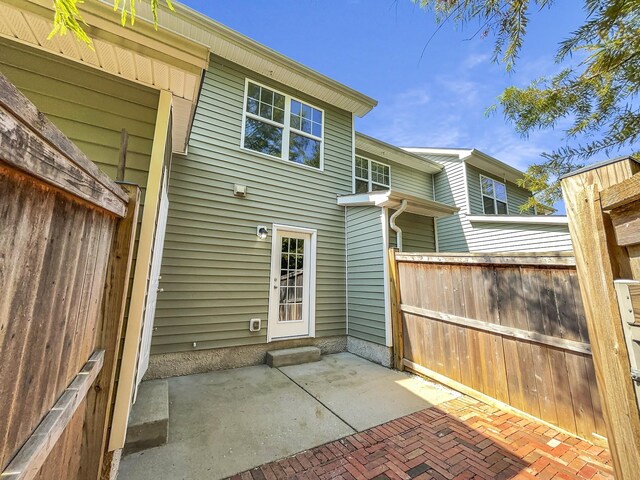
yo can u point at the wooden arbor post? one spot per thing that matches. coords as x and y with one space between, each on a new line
599 261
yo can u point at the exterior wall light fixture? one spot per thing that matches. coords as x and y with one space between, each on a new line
261 232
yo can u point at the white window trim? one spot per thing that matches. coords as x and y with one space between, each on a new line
495 200
286 127
370 182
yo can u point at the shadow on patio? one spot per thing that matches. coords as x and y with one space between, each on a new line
371 422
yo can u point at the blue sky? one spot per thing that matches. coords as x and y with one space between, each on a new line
435 99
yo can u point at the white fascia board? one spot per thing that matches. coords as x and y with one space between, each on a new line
453 152
363 199
528 219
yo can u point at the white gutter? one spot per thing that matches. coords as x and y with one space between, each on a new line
394 227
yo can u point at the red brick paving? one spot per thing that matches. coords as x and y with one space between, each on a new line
459 439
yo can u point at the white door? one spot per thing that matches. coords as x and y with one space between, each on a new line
154 280
292 290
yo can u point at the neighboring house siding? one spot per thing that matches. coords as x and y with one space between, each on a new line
215 271
501 237
88 106
516 196
365 267
457 234
450 189
418 234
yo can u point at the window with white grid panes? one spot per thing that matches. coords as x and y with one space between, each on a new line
494 196
278 125
291 279
371 176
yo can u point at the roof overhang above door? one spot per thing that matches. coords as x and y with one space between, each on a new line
393 199
159 59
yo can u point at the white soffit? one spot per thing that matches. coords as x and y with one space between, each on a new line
369 145
393 199
492 165
159 60
237 48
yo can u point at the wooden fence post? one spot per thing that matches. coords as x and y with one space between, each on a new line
396 315
100 398
599 261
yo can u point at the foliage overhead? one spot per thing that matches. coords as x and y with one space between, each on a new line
594 99
67 17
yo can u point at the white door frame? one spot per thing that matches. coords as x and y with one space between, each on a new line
275 273
153 286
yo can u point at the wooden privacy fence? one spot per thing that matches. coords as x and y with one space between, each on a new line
505 327
603 208
66 234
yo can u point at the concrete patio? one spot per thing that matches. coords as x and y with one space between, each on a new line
222 423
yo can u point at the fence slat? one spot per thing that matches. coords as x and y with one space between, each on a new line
500 329
27 462
24 150
510 259
513 332
27 113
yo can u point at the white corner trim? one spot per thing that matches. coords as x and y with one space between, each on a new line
528 219
346 269
353 153
467 208
384 220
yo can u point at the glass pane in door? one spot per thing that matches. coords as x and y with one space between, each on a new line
291 280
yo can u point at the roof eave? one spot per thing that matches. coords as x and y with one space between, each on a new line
355 102
392 153
393 199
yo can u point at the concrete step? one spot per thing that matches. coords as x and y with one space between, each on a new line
293 356
149 418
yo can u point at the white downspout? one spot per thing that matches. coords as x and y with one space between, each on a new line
394 227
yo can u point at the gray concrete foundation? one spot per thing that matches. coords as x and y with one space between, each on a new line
202 361
373 352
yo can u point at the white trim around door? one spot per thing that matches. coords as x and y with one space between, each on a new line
292 283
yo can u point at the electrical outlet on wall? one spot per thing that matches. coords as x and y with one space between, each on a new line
255 325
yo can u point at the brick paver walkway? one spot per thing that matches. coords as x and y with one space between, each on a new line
459 439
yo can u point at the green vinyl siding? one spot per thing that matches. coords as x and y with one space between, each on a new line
365 267
215 271
418 234
519 237
87 105
516 196
405 179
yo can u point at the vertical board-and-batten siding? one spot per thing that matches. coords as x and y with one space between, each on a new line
89 106
458 234
365 273
215 271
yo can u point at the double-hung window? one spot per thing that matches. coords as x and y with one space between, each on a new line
494 196
283 127
371 176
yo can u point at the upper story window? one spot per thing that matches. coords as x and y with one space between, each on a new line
280 126
371 175
494 196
